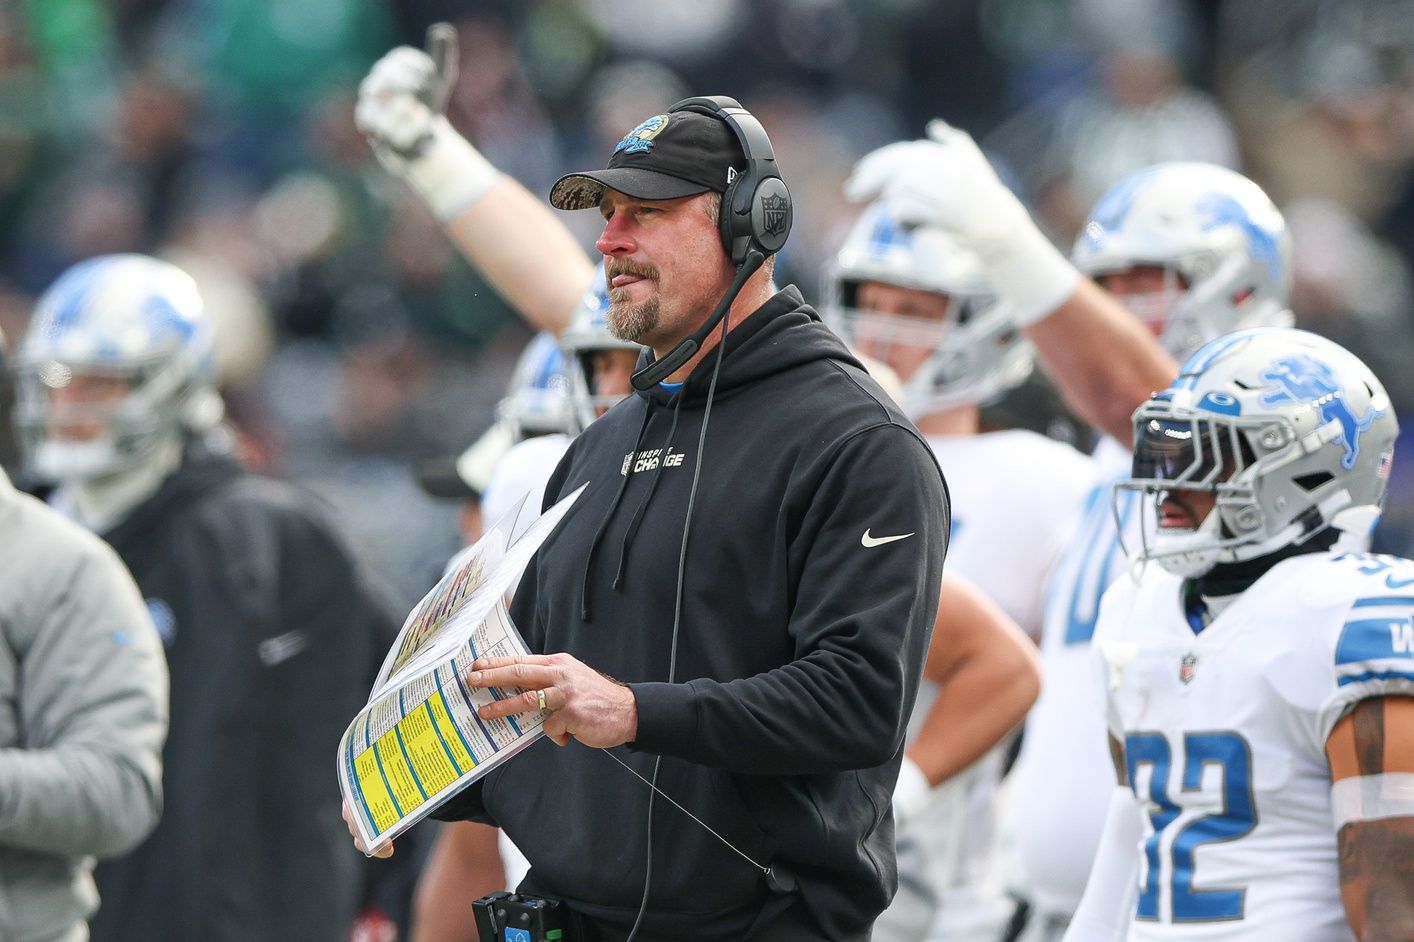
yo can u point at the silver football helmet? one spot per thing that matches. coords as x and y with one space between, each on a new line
117 359
1288 431
973 354
1222 243
587 334
537 402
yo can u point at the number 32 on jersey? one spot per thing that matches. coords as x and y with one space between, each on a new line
1170 851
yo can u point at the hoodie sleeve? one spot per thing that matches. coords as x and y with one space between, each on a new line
93 695
866 564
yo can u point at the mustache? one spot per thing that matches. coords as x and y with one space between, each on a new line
623 266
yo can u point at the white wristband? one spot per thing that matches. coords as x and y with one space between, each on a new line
1031 275
912 792
1366 797
450 173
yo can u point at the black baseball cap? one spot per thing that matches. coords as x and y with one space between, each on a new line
681 153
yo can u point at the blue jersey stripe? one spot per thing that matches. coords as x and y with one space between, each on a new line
1375 639
1378 600
1375 675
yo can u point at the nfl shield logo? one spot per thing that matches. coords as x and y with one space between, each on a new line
773 214
1185 668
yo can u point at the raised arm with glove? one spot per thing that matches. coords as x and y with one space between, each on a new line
534 264
1103 360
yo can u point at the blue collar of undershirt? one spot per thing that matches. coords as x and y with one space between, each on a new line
673 388
1197 612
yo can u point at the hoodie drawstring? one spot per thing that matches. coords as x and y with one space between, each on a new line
584 607
647 497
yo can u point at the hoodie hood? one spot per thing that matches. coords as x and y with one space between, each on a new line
757 348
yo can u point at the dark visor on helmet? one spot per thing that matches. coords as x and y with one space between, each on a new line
1187 451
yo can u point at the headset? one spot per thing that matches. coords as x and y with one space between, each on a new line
755 219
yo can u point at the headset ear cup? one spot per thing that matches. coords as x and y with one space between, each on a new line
772 214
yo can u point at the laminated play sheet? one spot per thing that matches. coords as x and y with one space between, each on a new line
420 739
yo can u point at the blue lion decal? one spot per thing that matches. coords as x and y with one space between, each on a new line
1303 378
888 234
1221 209
640 139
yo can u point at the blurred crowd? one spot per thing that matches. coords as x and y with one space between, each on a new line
354 340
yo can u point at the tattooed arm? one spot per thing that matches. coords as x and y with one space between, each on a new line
1376 853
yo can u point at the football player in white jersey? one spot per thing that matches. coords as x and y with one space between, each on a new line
1193 250
1259 665
914 298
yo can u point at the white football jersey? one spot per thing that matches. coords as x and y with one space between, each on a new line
523 471
1016 497
1060 788
1225 730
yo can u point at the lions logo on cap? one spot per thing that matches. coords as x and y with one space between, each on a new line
640 139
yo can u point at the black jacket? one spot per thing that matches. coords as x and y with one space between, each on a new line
798 658
273 640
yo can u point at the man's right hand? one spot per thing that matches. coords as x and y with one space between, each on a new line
400 105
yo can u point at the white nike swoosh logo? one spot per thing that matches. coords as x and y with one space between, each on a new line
868 540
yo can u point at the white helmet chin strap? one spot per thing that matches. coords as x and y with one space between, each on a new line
1189 553
1171 550
65 461
100 501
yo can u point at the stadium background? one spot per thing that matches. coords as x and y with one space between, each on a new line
219 134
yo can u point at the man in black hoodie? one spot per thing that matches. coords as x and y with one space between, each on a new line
737 609
272 633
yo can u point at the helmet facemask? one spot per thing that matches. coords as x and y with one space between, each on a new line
589 403
1179 453
586 337
84 438
1220 296
969 356
1290 434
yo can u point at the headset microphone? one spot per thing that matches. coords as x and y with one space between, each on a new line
658 370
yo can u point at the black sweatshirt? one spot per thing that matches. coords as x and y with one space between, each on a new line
273 637
803 633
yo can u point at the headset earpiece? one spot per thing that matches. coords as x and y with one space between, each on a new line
756 206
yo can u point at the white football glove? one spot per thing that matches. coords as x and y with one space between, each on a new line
911 794
945 181
400 105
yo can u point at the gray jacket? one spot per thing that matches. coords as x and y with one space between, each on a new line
83 713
